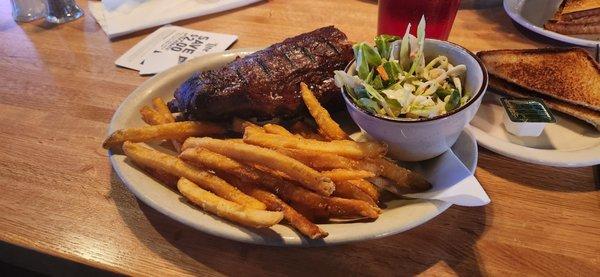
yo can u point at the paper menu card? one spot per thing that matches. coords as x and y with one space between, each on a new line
174 40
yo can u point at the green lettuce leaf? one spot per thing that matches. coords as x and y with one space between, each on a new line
454 101
377 83
362 65
392 68
368 105
383 45
371 55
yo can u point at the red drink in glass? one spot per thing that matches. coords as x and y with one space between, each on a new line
394 16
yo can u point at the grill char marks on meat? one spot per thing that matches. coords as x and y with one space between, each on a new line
265 84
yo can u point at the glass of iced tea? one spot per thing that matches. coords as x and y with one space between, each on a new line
395 15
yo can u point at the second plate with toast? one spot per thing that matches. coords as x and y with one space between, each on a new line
568 80
544 17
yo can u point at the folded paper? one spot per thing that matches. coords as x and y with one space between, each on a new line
121 17
178 45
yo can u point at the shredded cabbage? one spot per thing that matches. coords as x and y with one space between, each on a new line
393 78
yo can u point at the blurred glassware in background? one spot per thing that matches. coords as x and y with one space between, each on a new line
28 10
61 11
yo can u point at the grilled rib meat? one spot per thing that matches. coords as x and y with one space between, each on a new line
265 84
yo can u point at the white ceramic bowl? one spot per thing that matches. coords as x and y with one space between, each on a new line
418 140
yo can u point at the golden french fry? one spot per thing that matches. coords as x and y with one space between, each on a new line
318 160
276 129
175 130
161 107
346 189
335 207
273 203
223 164
151 158
327 126
340 174
162 176
328 206
322 161
417 182
392 171
368 166
227 209
238 125
367 187
151 116
273 172
215 161
255 128
236 140
351 208
312 214
402 177
347 148
246 153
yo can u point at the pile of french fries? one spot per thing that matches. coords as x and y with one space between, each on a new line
270 173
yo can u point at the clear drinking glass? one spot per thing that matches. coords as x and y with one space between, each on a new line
28 10
61 11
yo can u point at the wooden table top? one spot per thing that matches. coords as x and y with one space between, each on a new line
59 195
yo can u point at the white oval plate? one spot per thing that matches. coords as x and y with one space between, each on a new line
532 14
566 143
399 216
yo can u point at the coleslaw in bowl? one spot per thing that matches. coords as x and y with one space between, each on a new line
421 138
394 80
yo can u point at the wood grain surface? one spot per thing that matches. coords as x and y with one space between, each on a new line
58 194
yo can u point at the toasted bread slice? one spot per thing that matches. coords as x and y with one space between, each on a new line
581 20
588 115
575 17
570 75
573 9
571 28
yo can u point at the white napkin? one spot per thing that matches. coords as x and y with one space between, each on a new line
120 17
452 182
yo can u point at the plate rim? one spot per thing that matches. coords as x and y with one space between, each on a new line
517 17
556 158
145 88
